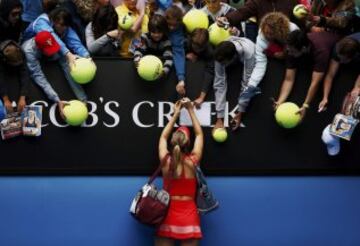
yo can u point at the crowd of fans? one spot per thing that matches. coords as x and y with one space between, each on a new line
63 30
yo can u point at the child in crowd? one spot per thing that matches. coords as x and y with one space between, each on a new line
58 23
274 31
131 38
82 12
174 17
102 34
332 15
34 8
226 53
181 4
215 9
13 61
10 20
253 11
156 42
199 48
346 51
62 39
300 46
140 6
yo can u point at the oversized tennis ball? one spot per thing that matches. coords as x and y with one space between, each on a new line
286 116
75 113
83 71
220 135
126 21
218 34
150 68
300 11
195 18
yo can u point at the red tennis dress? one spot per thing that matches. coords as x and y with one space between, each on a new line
182 220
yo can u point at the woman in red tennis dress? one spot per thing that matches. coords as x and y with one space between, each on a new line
182 221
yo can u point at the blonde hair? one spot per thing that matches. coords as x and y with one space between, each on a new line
179 142
275 25
86 8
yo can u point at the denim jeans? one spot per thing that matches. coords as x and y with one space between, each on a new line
220 88
33 56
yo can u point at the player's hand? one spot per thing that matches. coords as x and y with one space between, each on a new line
177 107
186 103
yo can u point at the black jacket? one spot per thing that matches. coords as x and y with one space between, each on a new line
8 31
21 72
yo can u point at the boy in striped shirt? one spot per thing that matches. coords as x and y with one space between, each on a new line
156 42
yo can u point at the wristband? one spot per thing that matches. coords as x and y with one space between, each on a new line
305 105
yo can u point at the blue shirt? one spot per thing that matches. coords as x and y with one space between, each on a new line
68 42
32 9
177 41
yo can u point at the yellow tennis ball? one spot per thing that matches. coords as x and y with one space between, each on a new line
300 11
220 135
126 21
195 18
83 71
286 115
75 113
218 34
150 67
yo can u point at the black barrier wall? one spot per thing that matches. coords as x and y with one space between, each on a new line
127 115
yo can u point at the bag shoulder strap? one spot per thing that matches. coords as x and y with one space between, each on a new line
194 160
158 170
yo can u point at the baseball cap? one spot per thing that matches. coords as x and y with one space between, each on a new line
332 142
46 42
